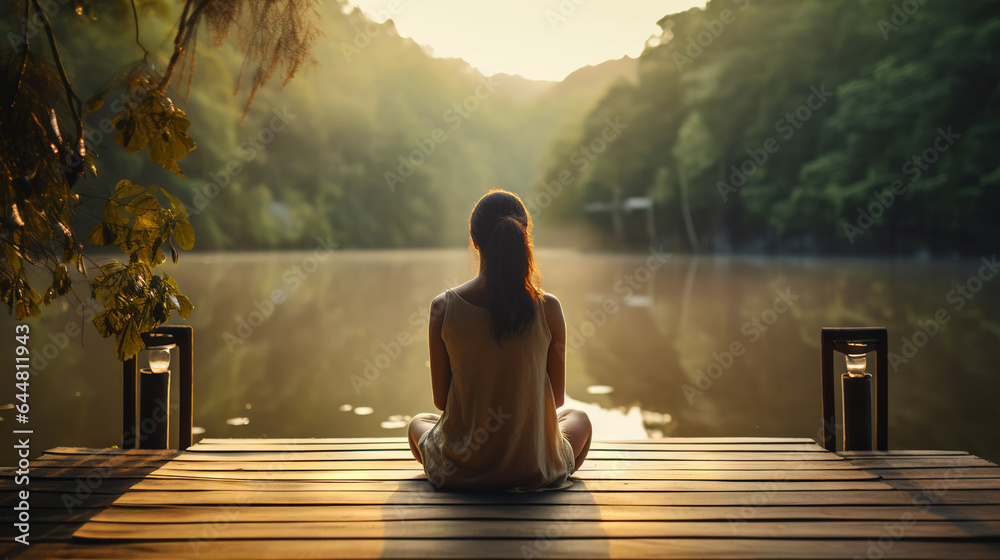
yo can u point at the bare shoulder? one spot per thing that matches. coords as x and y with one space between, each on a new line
438 306
552 306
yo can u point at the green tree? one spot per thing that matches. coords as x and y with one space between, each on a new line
722 81
44 154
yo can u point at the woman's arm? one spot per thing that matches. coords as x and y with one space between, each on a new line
556 363
440 364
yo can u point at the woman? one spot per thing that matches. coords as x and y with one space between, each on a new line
498 369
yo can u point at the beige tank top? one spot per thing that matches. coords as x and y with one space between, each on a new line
499 428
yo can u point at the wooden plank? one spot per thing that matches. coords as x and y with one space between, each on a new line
894 497
152 453
900 453
97 461
186 485
42 531
950 484
106 466
72 486
308 445
57 473
535 512
588 465
390 455
50 515
516 529
937 472
564 548
919 462
416 474
54 500
399 439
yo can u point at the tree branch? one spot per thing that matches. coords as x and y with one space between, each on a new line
75 105
135 16
184 29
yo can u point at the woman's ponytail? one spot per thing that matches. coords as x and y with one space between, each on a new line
501 229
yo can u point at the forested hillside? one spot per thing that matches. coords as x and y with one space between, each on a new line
852 126
378 145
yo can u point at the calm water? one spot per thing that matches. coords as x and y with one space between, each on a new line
640 334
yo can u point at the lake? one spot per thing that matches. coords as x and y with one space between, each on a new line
343 351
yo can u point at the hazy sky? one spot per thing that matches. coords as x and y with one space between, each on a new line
540 39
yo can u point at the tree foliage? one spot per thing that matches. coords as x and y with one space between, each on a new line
45 152
848 93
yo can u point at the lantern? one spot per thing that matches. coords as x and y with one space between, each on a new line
148 389
857 387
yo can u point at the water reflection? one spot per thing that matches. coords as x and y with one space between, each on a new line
600 390
697 347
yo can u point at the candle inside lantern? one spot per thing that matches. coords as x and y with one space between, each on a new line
856 364
159 359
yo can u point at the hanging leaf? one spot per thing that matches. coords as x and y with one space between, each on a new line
184 234
173 248
172 142
158 125
126 188
142 204
184 306
99 235
128 342
176 206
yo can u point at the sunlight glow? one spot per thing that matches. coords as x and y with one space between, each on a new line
538 39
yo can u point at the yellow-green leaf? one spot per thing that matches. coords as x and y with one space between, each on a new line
184 234
185 307
171 142
96 236
176 206
133 130
128 343
102 324
61 282
126 188
111 214
142 204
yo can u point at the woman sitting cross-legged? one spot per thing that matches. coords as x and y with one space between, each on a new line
498 369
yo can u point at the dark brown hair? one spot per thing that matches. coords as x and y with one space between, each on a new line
501 228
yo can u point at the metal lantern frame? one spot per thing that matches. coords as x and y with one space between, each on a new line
851 340
183 337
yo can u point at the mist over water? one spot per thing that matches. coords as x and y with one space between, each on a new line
333 344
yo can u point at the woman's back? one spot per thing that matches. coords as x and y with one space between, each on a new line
499 428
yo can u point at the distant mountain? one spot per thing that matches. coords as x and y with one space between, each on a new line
599 77
563 106
521 88
558 113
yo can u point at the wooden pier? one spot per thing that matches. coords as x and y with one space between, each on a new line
367 498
